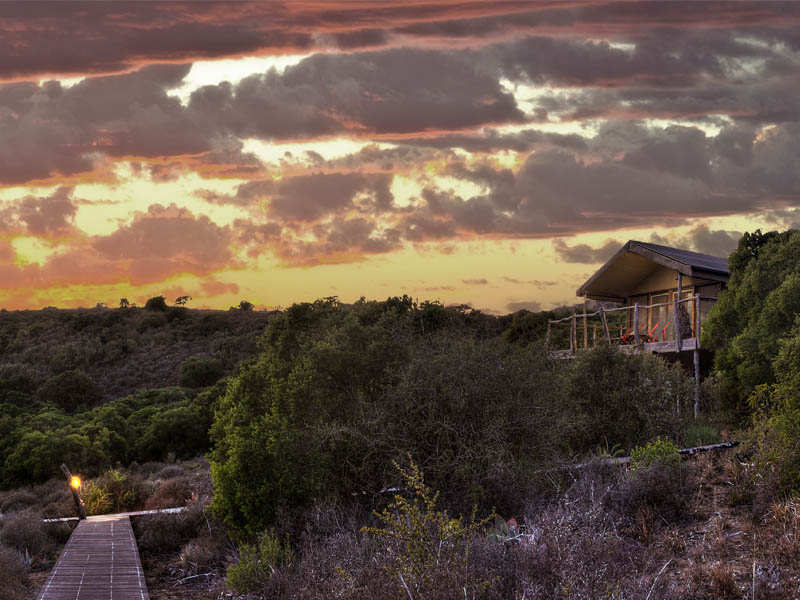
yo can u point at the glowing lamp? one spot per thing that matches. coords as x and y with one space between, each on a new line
75 482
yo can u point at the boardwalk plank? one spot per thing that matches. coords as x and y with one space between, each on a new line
99 562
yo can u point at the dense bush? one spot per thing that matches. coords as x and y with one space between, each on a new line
773 438
619 399
15 574
143 427
340 393
200 371
71 391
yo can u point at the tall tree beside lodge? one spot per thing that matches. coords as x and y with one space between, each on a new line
756 312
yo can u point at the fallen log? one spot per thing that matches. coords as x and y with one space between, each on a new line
621 460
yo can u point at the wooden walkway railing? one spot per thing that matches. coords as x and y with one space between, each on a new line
100 561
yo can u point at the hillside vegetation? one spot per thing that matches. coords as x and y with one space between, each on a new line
101 387
403 450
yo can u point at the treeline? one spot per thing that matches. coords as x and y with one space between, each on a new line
120 350
102 387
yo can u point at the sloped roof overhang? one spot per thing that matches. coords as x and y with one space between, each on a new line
636 260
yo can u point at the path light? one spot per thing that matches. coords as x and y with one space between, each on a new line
75 485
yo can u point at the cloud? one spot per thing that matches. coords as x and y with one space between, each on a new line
529 305
704 240
89 37
479 281
534 282
48 216
165 241
583 253
215 287
366 92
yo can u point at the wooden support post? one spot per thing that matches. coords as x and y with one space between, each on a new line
78 503
696 355
573 334
594 335
697 320
696 382
585 327
636 339
547 336
605 325
676 324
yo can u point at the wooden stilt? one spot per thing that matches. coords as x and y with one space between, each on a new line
675 321
605 325
573 334
636 339
585 327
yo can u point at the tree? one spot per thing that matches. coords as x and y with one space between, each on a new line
70 391
245 306
123 303
182 300
755 312
158 303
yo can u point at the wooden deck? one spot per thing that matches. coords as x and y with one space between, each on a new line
660 347
100 560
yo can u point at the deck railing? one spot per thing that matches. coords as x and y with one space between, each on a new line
630 330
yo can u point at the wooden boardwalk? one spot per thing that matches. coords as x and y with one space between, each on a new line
100 560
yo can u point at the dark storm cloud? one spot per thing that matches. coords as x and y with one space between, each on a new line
91 37
702 239
51 130
306 198
394 91
583 253
341 239
492 141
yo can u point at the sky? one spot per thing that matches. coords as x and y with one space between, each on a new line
483 153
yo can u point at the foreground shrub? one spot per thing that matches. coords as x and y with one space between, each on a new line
163 533
25 533
422 542
14 574
659 453
259 562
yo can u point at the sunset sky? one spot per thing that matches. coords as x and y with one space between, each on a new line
489 153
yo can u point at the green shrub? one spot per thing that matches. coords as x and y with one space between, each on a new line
200 371
71 391
258 562
757 309
657 453
619 399
424 541
700 434
96 498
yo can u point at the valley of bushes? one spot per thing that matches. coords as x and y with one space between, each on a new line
399 449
